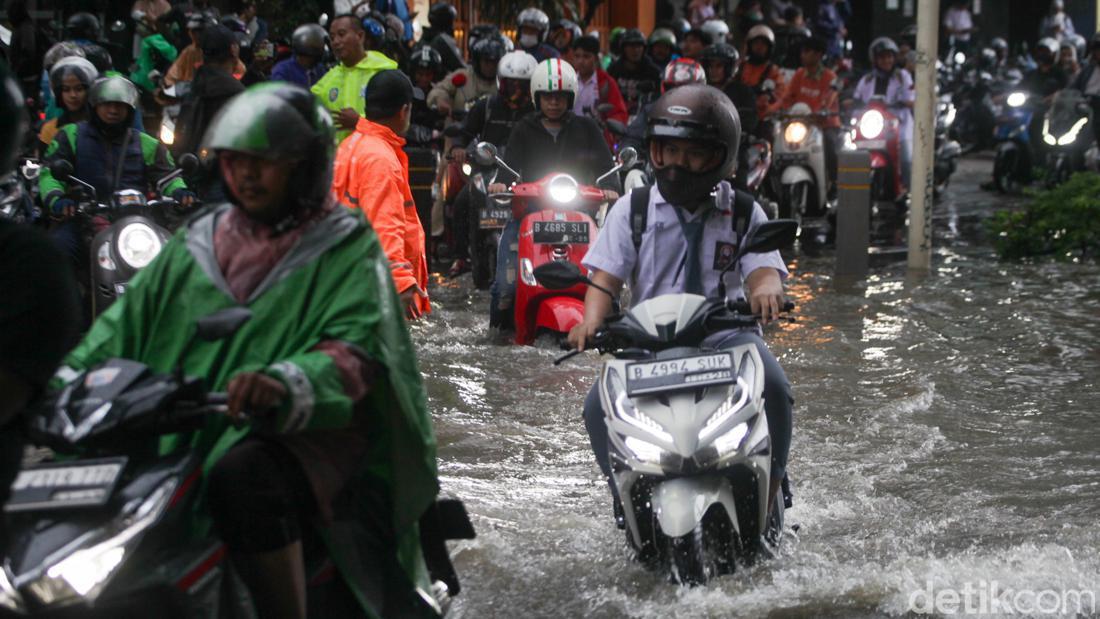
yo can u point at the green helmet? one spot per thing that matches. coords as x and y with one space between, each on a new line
13 120
279 121
114 89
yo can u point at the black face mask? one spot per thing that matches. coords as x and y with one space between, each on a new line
112 131
683 187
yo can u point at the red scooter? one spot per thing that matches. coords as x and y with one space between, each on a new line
557 223
878 131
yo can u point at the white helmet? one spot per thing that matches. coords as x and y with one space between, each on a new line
534 18
719 31
554 75
516 65
760 30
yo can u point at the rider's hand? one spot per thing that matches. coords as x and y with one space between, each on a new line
184 197
410 303
610 195
458 155
498 188
766 298
254 393
581 335
347 118
443 107
64 207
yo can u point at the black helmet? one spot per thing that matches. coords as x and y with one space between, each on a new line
693 112
280 121
489 48
725 52
1000 45
478 32
987 60
82 26
632 36
442 16
309 40
99 57
679 27
13 120
427 58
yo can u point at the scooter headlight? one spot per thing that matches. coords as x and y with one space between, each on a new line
467 169
167 134
871 124
1071 136
624 409
1017 99
103 257
138 244
563 189
1047 136
84 573
795 133
949 119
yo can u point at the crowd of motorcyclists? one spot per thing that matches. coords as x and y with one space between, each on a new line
232 153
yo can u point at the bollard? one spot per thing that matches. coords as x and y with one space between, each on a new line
853 218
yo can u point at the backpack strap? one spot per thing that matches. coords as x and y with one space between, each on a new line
743 203
639 213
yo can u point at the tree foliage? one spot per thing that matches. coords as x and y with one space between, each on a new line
1062 222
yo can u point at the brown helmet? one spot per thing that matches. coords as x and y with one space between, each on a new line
701 113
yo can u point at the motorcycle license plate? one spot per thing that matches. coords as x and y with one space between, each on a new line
645 377
871 144
560 232
65 485
493 218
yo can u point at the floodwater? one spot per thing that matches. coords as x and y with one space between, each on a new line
946 449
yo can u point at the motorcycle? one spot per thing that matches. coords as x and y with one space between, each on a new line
688 438
974 117
799 151
556 223
1013 157
1068 116
173 98
947 150
18 193
480 171
878 131
126 234
105 528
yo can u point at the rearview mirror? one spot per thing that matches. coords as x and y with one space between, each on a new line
61 169
559 275
323 20
485 154
189 163
628 157
222 323
770 236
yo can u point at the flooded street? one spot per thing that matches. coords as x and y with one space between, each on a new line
947 436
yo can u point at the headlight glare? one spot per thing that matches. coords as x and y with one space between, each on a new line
467 169
563 189
795 133
167 135
103 257
138 244
871 124
644 450
1017 99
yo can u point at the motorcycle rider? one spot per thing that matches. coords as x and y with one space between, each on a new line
532 26
1088 82
634 71
722 62
693 43
692 155
816 86
1044 81
305 67
70 80
888 80
760 73
106 152
595 87
213 86
343 90
40 316
424 68
324 368
440 35
490 120
661 47
562 34
679 72
462 87
553 139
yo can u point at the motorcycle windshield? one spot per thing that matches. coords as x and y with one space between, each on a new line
1065 112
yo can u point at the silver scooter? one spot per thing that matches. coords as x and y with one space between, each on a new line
688 438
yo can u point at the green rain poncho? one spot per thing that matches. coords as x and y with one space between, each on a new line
334 284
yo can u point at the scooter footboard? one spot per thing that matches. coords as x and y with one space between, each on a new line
681 503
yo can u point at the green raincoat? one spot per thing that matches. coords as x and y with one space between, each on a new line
333 285
344 87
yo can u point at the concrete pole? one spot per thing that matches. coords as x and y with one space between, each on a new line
924 138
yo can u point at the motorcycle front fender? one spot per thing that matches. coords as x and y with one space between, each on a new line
560 314
796 174
681 503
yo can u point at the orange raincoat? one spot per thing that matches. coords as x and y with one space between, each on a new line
372 173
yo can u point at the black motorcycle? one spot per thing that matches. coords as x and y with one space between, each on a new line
480 170
105 528
125 234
